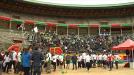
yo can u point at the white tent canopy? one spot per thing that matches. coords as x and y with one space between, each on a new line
84 3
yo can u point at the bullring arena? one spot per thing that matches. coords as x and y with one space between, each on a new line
66 37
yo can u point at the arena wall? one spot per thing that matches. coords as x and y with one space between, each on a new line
62 30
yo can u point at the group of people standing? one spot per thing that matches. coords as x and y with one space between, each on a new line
98 60
31 62
9 59
26 61
85 60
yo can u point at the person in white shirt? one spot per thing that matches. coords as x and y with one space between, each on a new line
18 66
6 62
97 58
65 48
100 60
54 59
94 57
116 59
88 61
13 58
104 59
83 60
47 64
60 58
49 55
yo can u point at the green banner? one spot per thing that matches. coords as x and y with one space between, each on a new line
61 24
125 25
105 26
83 25
17 21
40 23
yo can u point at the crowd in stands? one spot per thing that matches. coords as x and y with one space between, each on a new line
81 43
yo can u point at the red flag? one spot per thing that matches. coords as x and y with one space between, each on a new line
14 47
56 50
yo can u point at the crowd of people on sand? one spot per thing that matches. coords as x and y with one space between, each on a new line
82 52
32 63
22 61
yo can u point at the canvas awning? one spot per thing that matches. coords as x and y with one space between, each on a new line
127 45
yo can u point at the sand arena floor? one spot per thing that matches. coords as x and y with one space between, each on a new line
92 71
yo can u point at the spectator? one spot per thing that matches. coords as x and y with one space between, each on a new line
6 62
61 57
88 61
37 58
68 58
1 60
26 57
18 65
54 58
117 58
110 61
13 58
74 61
79 61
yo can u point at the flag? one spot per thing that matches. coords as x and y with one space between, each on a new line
56 50
35 29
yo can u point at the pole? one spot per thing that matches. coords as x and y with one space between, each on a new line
88 22
88 31
132 63
78 32
51 28
45 28
67 30
99 29
132 29
10 26
132 55
56 30
110 30
121 31
22 27
132 25
127 59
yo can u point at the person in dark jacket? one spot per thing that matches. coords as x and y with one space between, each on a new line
74 61
68 58
37 58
